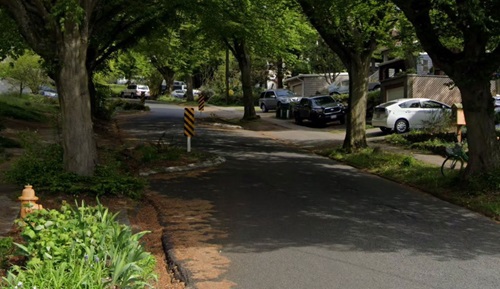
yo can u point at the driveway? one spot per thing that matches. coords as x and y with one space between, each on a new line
276 216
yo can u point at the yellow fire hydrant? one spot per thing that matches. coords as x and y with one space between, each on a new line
28 201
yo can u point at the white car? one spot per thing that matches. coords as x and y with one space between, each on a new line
404 114
136 91
179 93
48 91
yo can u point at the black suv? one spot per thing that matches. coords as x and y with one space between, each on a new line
319 109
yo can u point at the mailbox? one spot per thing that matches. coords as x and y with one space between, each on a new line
458 113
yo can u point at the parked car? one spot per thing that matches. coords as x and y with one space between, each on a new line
401 115
496 99
136 91
319 109
274 98
179 93
48 91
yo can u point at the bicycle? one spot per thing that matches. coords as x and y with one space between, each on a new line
455 158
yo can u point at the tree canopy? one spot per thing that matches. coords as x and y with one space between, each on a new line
462 38
352 30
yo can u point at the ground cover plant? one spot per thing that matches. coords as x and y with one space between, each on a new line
6 251
41 163
79 247
27 107
41 166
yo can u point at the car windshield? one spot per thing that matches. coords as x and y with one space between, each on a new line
324 100
285 93
145 87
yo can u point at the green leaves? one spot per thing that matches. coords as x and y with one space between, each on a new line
81 247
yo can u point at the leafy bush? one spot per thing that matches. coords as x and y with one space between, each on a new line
438 123
39 164
42 166
6 250
222 99
103 109
374 98
82 247
134 106
417 139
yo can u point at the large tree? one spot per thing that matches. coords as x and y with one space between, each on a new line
352 30
462 38
12 43
59 32
74 37
248 28
26 71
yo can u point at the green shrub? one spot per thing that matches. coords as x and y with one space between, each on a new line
42 166
103 109
82 247
6 251
134 106
234 100
418 139
39 164
374 98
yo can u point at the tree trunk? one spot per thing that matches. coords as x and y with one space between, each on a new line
484 148
189 91
244 63
280 74
167 73
355 137
80 154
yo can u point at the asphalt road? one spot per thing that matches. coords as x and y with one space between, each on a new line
294 220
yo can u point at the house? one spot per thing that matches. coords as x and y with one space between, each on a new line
308 84
426 81
329 83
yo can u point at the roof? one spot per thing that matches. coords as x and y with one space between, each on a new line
315 75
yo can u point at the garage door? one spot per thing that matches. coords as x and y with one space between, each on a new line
395 93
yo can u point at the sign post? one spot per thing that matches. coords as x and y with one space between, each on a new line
189 125
201 102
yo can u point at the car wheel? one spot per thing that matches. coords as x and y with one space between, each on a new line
385 129
401 126
263 107
342 120
122 95
298 120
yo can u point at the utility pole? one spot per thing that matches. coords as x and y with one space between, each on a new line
227 75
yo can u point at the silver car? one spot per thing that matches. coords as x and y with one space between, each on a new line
275 98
